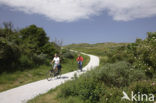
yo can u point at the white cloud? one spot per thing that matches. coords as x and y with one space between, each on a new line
72 10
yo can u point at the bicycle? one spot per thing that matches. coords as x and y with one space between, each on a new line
54 73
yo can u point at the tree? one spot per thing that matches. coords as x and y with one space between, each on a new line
25 48
34 38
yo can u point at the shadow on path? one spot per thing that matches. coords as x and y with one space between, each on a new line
62 77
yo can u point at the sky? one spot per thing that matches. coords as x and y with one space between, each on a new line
84 21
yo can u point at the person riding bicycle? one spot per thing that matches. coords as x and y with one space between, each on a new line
56 61
80 61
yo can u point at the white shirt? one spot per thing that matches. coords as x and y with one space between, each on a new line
56 60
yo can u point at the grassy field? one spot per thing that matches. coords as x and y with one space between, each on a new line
96 49
108 52
11 80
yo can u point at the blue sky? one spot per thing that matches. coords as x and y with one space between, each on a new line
96 27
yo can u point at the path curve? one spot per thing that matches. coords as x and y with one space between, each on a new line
26 92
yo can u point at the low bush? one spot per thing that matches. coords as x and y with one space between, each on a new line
72 99
68 54
40 59
119 74
143 54
25 61
143 87
99 83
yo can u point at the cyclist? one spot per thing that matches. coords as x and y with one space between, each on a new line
56 61
80 61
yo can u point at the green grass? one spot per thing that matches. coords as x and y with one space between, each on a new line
49 97
99 49
11 80
108 52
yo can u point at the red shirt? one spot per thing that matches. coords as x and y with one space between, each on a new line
80 58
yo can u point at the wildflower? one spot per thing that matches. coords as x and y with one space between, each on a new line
153 84
149 68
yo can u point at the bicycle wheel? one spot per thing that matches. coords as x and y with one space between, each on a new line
50 75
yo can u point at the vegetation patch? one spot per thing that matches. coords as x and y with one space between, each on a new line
128 67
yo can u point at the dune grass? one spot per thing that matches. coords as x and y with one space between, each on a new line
11 80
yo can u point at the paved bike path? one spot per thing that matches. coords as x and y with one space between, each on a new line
26 92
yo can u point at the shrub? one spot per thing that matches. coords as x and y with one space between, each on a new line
72 99
119 74
144 87
25 61
99 83
84 87
40 59
143 54
112 95
68 54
